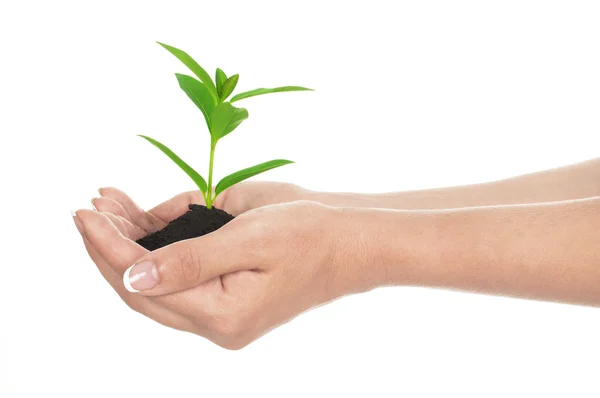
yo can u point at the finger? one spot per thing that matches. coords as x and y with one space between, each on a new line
145 220
111 277
126 228
176 206
192 262
117 250
138 303
108 205
118 253
179 302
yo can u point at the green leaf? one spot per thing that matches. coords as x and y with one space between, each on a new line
241 175
194 67
228 87
261 91
200 182
225 118
220 78
199 95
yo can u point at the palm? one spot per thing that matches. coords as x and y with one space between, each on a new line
135 223
123 221
236 200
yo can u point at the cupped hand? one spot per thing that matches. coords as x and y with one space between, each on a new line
235 200
232 286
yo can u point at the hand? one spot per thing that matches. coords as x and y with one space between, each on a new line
258 271
235 200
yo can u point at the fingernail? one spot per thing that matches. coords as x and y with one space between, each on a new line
78 223
140 276
100 191
93 205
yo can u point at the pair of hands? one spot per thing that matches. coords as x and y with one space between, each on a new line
279 257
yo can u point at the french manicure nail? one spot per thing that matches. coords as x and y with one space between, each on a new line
140 276
100 191
78 223
93 205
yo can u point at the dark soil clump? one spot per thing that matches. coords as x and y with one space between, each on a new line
197 221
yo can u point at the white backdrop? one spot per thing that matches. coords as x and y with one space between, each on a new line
409 95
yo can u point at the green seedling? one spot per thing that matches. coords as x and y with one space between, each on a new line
221 119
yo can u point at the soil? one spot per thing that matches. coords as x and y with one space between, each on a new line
197 221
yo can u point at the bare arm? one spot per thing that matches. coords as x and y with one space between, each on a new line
270 264
570 182
576 181
543 251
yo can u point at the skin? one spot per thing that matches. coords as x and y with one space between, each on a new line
290 249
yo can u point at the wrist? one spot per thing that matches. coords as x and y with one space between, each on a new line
359 250
389 247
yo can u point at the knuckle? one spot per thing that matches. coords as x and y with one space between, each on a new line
189 265
149 221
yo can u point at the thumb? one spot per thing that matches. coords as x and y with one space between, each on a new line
186 264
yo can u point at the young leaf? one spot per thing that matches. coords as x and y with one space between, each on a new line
199 95
194 67
228 87
261 91
200 182
220 78
225 118
241 175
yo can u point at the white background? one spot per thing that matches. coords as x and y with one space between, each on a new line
410 94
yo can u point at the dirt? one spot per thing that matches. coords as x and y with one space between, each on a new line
197 221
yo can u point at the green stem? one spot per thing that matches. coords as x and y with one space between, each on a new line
209 192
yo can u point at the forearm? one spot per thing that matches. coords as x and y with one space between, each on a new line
577 181
543 251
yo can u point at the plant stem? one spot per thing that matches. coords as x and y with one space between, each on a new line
209 192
